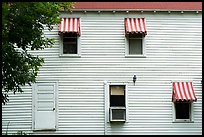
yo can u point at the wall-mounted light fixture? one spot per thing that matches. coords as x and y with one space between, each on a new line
134 79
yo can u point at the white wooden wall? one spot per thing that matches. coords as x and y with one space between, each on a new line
173 53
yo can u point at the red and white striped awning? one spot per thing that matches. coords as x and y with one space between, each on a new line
69 25
135 25
183 91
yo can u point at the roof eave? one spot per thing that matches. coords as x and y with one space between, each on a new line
148 10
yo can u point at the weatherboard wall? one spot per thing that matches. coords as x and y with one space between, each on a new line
173 53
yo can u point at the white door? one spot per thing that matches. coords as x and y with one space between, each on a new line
45 106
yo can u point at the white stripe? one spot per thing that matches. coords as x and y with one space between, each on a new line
145 29
137 25
66 25
75 24
128 24
190 89
142 25
181 89
186 89
62 25
177 90
133 24
71 24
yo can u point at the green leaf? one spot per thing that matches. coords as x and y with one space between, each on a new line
22 27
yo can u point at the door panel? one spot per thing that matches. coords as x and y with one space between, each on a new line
45 106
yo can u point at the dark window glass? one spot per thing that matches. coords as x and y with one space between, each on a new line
182 110
117 100
117 96
69 43
135 43
135 46
118 114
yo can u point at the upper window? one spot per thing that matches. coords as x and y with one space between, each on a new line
183 97
69 30
70 43
135 45
135 31
183 110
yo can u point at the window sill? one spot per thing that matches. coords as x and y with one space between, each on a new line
117 120
38 130
135 56
70 56
183 121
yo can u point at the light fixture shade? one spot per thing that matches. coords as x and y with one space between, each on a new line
134 78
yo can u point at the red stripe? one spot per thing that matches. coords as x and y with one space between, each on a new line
135 25
69 21
64 25
73 25
128 25
78 26
175 92
177 97
68 25
193 91
144 25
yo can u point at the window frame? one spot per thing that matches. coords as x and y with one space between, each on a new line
107 100
70 55
190 120
143 55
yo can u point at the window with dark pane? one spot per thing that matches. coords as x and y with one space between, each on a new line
182 110
136 44
70 43
117 96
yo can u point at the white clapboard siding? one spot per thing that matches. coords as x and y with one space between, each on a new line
17 113
173 53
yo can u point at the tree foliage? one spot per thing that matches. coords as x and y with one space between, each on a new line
22 30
